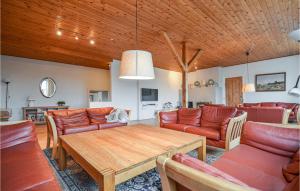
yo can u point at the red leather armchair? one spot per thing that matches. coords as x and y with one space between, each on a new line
294 107
23 164
267 159
63 122
214 122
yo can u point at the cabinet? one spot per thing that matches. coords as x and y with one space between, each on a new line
36 114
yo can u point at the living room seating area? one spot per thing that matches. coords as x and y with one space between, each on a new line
150 95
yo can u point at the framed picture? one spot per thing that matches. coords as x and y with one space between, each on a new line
270 82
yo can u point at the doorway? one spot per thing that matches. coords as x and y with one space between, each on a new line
234 91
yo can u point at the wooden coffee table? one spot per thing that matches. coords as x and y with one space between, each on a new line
115 155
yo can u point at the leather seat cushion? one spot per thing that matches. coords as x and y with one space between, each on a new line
209 133
70 118
189 116
16 134
176 126
111 125
23 167
97 115
255 167
78 129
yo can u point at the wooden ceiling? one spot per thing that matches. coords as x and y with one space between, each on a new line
223 29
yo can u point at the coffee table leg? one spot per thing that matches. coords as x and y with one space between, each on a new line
202 151
107 180
62 157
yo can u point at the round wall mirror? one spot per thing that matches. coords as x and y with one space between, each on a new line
47 87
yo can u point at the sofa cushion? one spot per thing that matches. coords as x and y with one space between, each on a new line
203 167
167 117
268 104
255 167
281 141
70 118
217 118
97 115
189 116
111 125
209 133
176 126
286 105
15 134
24 167
78 129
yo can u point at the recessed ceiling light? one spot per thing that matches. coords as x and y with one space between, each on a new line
58 33
295 35
111 39
196 67
76 38
92 42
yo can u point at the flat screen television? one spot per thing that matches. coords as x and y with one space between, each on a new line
149 94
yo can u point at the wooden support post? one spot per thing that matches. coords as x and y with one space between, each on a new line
184 65
184 77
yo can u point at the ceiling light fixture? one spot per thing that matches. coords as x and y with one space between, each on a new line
295 35
136 64
92 42
76 38
248 87
58 33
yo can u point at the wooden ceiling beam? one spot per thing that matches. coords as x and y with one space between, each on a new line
174 51
197 54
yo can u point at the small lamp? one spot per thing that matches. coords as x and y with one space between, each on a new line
295 90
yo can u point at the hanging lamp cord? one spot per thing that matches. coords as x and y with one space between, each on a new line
247 53
136 37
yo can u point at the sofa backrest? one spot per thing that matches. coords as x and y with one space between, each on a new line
216 117
268 104
189 116
18 133
286 105
281 141
264 114
97 115
250 104
70 118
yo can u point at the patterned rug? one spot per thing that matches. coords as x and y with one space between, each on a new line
74 178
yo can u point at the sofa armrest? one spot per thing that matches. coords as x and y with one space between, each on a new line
173 173
286 115
234 130
166 117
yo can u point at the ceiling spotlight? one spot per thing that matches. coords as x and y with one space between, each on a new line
196 67
76 38
295 35
92 42
58 33
111 39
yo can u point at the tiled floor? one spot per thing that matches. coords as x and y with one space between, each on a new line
42 131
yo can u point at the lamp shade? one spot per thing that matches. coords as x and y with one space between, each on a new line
249 87
136 65
295 35
295 91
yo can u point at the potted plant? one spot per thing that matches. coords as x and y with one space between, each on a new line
61 103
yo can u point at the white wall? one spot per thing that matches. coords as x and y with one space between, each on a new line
290 65
125 93
73 82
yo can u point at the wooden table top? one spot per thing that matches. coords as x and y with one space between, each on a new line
121 148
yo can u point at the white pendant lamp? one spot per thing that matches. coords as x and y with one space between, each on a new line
136 64
248 87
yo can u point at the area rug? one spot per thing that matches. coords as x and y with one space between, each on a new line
74 178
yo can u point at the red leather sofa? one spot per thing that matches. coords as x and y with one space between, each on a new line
69 121
209 121
266 114
23 164
267 159
292 106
